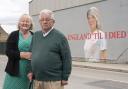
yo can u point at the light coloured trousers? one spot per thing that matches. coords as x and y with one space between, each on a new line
47 85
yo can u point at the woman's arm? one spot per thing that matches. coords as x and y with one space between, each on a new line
103 54
12 46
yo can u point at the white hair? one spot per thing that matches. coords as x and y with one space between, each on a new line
46 12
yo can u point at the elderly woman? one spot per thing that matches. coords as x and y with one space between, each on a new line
17 48
95 47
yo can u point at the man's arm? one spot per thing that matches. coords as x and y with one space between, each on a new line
66 60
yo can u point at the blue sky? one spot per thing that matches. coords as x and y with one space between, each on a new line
11 10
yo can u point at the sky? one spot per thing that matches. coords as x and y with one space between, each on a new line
11 10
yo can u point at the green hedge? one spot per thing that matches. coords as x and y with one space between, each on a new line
2 47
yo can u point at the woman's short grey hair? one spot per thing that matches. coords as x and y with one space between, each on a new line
47 12
32 23
93 11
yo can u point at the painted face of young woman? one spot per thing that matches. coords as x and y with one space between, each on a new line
92 22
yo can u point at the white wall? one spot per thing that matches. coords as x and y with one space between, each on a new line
114 17
37 5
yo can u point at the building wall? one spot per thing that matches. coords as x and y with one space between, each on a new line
3 38
37 5
73 21
3 35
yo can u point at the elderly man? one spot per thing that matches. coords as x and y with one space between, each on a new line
51 57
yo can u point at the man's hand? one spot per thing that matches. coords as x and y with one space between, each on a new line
30 76
64 82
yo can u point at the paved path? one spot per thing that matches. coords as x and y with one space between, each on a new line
102 66
3 61
99 66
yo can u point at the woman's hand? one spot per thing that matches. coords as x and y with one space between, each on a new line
25 55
